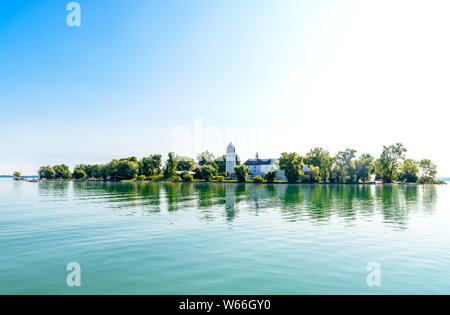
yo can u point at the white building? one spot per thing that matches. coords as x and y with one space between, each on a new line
230 159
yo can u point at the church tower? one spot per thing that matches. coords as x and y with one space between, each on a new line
230 159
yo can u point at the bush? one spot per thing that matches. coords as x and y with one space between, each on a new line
220 178
270 176
258 179
141 178
156 178
188 178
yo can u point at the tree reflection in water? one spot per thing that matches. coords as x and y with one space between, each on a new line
293 202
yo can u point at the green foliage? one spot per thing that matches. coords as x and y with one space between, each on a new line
270 176
141 178
62 172
241 172
409 171
150 166
344 168
188 178
47 172
258 179
292 165
126 169
170 170
78 173
220 178
207 172
364 167
17 175
206 158
156 178
321 158
314 174
221 164
428 171
387 166
185 164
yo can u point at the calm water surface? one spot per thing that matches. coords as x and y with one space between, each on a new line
223 238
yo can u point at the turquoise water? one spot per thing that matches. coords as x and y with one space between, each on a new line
223 238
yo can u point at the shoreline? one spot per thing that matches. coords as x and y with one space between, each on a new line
234 182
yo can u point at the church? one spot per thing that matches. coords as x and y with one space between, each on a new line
231 159
256 166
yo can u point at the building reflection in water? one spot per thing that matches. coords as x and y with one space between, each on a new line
393 203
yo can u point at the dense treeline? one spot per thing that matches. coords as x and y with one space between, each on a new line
344 167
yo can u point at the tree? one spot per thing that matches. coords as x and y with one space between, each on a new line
343 166
314 174
207 172
78 173
96 171
17 175
409 171
150 166
171 167
364 167
46 172
206 158
292 165
270 176
185 163
221 163
428 171
127 169
241 172
320 158
62 172
187 177
388 164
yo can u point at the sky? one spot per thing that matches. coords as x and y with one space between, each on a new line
142 77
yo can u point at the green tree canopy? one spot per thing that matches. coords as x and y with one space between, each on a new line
241 172
409 171
150 166
270 176
170 170
62 172
78 173
126 169
207 172
47 172
387 166
292 166
428 171
185 164
364 167
17 175
321 158
206 158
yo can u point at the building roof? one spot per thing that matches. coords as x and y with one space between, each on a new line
252 162
231 148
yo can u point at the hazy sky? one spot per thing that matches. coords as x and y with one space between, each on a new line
142 77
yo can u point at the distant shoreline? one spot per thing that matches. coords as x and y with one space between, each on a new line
233 182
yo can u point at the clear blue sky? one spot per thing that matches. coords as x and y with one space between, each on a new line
269 71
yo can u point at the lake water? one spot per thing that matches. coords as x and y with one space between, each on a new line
223 238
